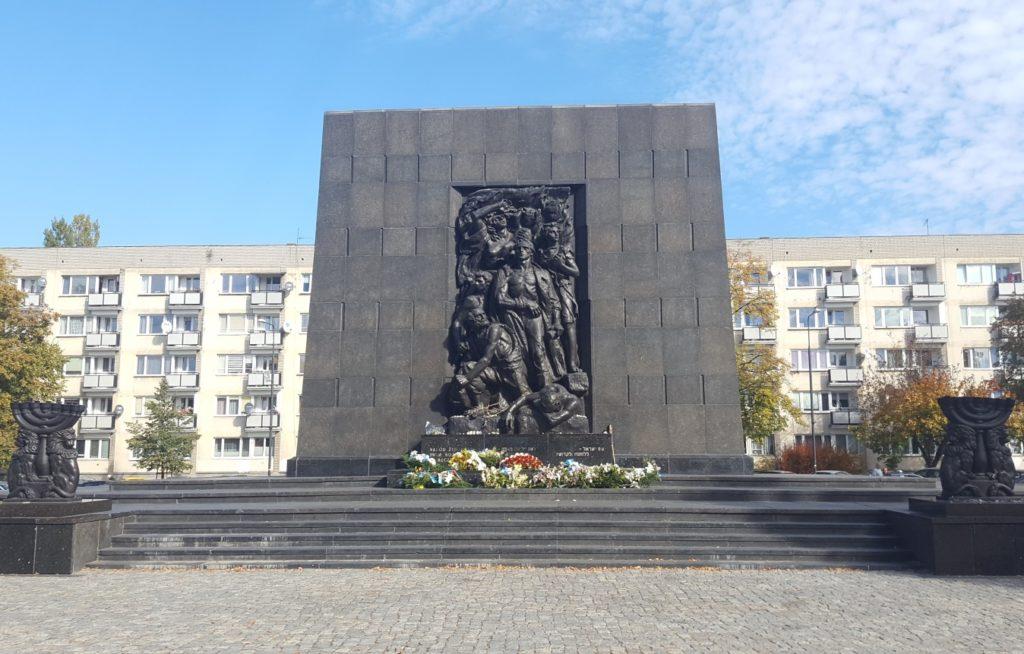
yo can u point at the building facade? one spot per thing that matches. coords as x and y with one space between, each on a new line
848 304
208 319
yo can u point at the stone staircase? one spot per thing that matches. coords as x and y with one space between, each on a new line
284 523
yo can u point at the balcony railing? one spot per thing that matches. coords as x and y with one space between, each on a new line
103 339
100 380
844 333
759 334
183 339
32 300
187 422
182 379
927 292
842 293
1009 290
263 421
185 298
934 333
265 339
104 300
97 422
842 376
262 379
266 298
846 417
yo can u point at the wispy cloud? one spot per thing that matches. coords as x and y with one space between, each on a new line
894 112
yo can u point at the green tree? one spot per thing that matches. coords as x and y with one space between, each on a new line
765 406
159 441
31 364
1008 331
81 232
901 405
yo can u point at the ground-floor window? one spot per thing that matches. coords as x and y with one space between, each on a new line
239 448
842 442
764 448
93 448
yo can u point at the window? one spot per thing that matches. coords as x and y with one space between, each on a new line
981 357
806 277
890 275
98 365
185 322
845 442
106 284
233 323
180 363
99 405
264 403
921 317
231 364
93 448
229 405
262 363
184 403
808 401
30 284
71 326
103 325
75 285
303 322
149 364
302 363
151 323
818 359
891 359
986 273
838 317
265 322
742 319
894 359
155 284
247 283
893 317
72 366
307 282
763 448
140 405
978 316
841 359
806 318
163 284
239 448
918 276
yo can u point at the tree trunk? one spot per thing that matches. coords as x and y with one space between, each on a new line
932 455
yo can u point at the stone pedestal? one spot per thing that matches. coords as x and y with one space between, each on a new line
552 449
53 536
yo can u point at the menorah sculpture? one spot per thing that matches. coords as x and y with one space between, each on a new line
45 465
976 460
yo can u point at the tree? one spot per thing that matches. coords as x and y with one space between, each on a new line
81 232
31 365
1008 331
765 407
160 442
899 405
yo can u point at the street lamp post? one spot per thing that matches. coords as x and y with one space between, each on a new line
274 365
810 383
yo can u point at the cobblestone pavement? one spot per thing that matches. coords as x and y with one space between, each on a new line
506 610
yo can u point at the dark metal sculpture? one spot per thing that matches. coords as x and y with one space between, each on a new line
513 338
976 460
45 464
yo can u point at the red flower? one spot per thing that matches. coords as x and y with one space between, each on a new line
525 461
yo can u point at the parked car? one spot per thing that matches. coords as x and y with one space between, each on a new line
905 475
3 490
832 472
930 473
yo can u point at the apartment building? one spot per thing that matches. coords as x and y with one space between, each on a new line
847 304
224 325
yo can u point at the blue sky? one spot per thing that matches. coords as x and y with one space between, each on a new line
200 122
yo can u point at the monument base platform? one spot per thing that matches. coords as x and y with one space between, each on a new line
588 449
53 536
965 537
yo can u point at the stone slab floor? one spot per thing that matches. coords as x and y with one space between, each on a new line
510 609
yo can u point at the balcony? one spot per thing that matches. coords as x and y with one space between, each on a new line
97 422
845 376
263 421
844 333
100 300
32 300
927 293
1009 290
101 381
759 334
182 380
262 379
266 298
103 340
265 339
185 298
183 340
931 333
188 423
845 417
841 293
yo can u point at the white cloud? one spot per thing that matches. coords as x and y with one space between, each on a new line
893 111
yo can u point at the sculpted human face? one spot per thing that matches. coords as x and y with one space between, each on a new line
523 253
497 222
480 283
551 232
549 399
476 319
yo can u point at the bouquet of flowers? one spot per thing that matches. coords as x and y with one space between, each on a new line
505 477
423 479
467 460
418 461
525 461
492 457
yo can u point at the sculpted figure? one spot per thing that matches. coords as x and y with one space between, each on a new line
527 303
552 408
63 463
493 369
473 295
559 260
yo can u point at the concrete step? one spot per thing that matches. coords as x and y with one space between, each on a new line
188 484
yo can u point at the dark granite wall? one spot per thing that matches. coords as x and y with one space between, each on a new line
660 347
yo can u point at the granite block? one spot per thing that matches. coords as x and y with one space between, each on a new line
686 428
639 238
367 205
681 351
358 352
335 170
394 351
601 125
501 167
399 241
637 197
605 276
704 199
433 240
468 131
669 127
684 389
433 204
332 241
467 167
702 162
355 392
675 274
674 237
602 165
608 314
678 312
402 130
535 130
721 388
435 167
717 349
403 168
604 238
643 312
397 276
339 134
501 130
636 123
368 168
603 206
400 204
640 274
567 130
670 164
319 393
709 236
334 206
396 315
644 348
430 315
608 352
365 241
360 315
671 204
435 132
636 164
325 316
568 166
610 389
714 310
647 390
368 132
534 167
723 430
323 355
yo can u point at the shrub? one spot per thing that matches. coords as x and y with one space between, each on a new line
800 459
765 463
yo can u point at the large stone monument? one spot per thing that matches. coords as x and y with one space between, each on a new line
520 271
